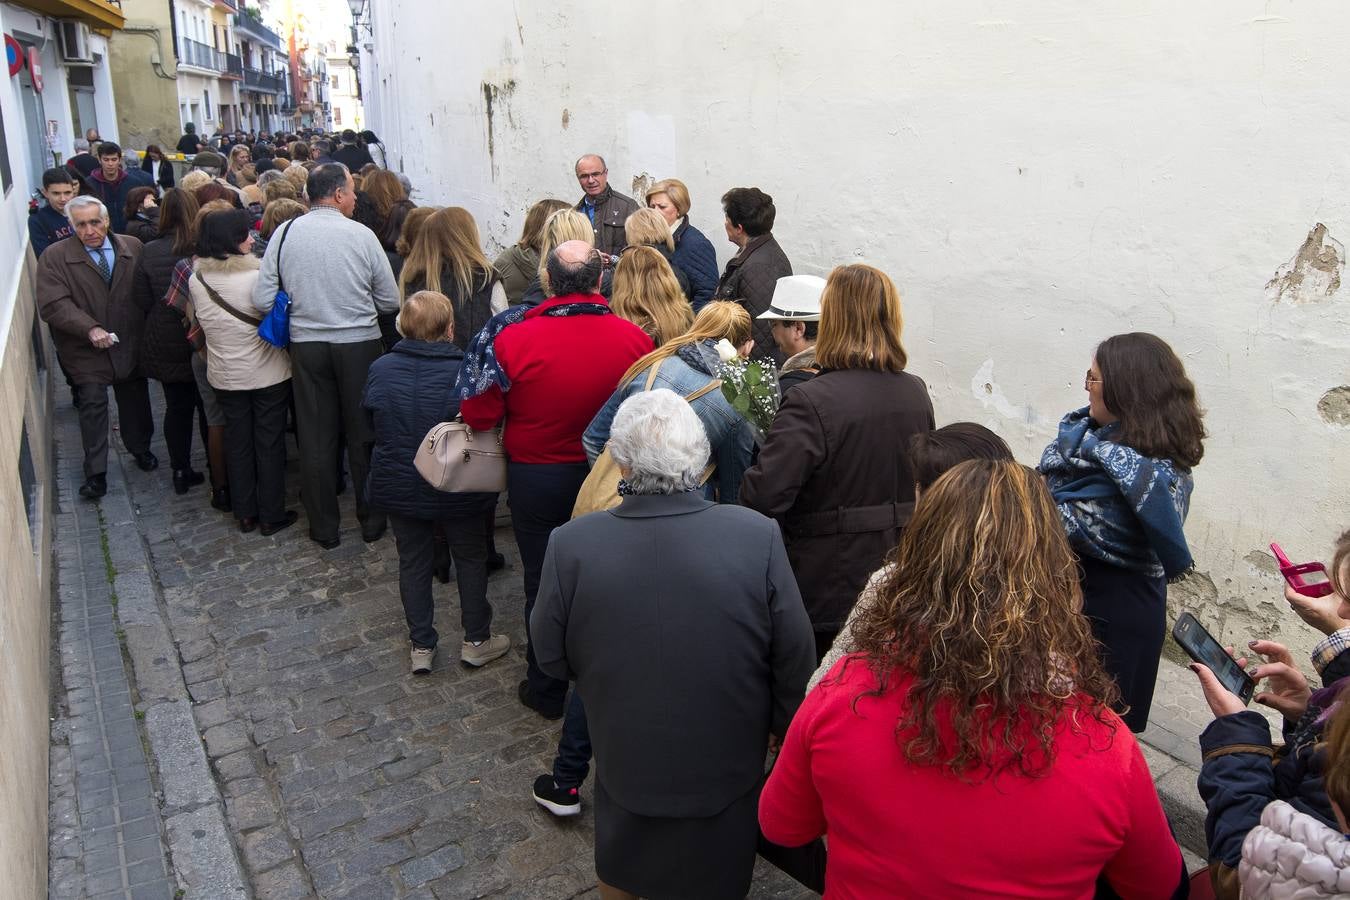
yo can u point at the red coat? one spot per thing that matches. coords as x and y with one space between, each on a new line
562 369
900 830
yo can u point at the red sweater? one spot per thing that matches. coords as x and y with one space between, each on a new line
899 830
562 370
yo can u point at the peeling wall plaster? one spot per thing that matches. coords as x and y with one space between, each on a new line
1033 186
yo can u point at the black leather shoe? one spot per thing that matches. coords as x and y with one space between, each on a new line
370 533
220 499
183 479
327 545
248 524
147 461
95 486
270 528
527 698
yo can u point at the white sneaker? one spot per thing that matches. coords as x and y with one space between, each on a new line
484 652
421 659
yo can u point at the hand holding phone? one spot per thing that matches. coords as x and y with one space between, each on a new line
1309 579
1201 646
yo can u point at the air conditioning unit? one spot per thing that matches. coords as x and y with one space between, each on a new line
75 43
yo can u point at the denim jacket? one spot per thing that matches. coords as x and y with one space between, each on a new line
728 434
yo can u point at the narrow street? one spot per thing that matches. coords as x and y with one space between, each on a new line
338 773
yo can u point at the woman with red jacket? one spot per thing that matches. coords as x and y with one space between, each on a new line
976 701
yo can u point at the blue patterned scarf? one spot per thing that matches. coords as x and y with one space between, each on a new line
1118 506
481 370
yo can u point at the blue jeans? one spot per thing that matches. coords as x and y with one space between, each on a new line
573 762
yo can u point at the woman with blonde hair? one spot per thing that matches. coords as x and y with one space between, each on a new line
646 293
561 226
646 228
694 254
835 466
519 263
240 158
380 193
275 214
992 707
448 258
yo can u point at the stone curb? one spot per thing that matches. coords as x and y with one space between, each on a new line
204 859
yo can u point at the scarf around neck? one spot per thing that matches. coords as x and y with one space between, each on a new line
481 369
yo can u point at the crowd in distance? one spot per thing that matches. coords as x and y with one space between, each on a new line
922 633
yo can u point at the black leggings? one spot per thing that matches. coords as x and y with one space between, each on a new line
1128 612
181 401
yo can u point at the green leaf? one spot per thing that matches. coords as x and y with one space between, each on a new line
741 404
753 375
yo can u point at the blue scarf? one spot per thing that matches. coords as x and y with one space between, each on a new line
1118 506
481 370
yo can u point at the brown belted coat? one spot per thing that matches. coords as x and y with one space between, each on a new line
835 472
72 298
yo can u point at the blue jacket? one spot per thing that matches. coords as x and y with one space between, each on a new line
728 434
694 255
409 390
46 226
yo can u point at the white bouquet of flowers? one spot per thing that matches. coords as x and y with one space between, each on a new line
750 386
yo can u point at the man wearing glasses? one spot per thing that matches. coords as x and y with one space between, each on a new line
606 209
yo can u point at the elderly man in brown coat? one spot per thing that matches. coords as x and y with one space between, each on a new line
605 207
84 294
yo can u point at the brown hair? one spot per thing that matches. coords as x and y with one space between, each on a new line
412 227
1144 385
299 151
860 321
426 316
217 191
646 293
1336 779
1340 565
932 453
178 219
448 242
674 189
981 606
135 197
279 212
648 228
531 235
715 321
383 189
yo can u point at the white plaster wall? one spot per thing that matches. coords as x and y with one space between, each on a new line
1034 177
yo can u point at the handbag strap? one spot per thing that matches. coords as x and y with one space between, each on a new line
220 301
281 245
706 389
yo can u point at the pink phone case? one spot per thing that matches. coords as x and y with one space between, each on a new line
1294 574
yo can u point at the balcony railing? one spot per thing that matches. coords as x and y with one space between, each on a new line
234 66
257 80
250 27
195 53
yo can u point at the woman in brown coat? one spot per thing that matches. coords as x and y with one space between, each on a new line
835 467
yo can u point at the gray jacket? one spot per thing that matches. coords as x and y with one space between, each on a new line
337 276
681 623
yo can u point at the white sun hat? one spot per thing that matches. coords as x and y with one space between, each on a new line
796 298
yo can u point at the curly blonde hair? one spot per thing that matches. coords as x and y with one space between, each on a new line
982 606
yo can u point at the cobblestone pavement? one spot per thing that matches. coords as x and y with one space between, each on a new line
342 774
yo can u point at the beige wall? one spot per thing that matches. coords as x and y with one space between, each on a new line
25 590
147 104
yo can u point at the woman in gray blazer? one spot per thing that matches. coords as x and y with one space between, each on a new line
689 644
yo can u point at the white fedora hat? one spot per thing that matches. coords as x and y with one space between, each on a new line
796 298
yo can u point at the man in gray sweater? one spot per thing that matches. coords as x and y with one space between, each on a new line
338 278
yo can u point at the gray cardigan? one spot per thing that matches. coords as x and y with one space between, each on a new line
681 623
337 276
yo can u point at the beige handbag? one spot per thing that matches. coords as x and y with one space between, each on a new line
600 490
456 459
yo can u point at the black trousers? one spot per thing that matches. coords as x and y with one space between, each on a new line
255 451
181 403
328 382
541 498
134 419
1128 613
468 547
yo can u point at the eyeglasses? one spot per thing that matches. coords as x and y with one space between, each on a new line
1089 381
589 176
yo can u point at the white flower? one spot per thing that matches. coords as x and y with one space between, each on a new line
726 352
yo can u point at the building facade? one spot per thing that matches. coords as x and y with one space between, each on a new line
265 100
61 87
207 88
344 90
144 76
1034 182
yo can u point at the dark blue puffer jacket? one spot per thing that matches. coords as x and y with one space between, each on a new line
694 255
409 390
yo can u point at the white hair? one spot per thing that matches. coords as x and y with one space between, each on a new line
270 176
659 439
81 202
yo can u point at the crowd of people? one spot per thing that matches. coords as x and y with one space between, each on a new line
919 632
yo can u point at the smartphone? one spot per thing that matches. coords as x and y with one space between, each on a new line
1309 579
1200 646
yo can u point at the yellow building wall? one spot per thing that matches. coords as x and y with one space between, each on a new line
147 103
